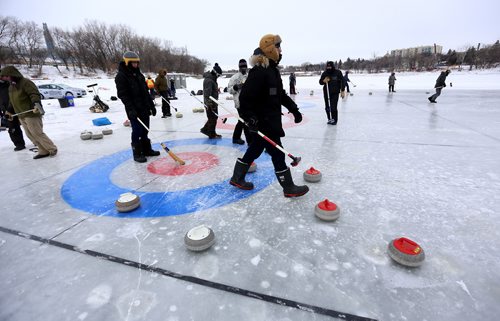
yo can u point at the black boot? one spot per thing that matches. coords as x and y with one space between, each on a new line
146 148
137 152
238 179
289 188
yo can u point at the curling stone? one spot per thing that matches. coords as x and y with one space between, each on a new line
327 211
126 123
351 94
312 175
427 92
199 238
201 110
86 135
107 131
311 93
406 252
127 202
97 136
252 168
370 93
178 114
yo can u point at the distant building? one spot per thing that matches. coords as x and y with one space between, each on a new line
408 52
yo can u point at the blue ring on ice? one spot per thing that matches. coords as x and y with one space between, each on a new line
90 189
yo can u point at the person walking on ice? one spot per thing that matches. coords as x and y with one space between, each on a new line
234 87
392 81
333 85
261 99
440 84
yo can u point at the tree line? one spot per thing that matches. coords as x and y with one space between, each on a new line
485 56
88 48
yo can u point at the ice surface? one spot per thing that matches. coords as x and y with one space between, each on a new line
395 164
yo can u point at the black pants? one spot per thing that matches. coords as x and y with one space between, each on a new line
292 90
437 94
257 147
16 133
391 88
138 131
239 128
331 108
211 123
347 86
165 105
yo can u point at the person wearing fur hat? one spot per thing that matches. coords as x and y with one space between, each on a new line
333 85
161 86
26 99
210 88
261 99
132 90
6 109
440 84
234 87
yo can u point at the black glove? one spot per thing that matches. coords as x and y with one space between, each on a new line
236 88
252 124
297 115
132 114
153 111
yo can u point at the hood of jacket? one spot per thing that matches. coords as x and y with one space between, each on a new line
11 71
210 75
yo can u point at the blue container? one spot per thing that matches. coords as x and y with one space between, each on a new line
71 101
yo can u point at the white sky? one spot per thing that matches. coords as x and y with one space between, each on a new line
312 30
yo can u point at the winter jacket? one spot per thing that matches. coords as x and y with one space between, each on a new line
263 95
392 80
161 83
346 77
440 82
210 88
293 80
23 93
132 90
336 83
4 96
236 79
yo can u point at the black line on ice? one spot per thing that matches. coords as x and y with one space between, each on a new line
214 285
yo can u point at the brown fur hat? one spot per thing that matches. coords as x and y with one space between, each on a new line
268 46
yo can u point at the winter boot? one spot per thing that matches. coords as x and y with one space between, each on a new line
146 148
289 188
137 152
238 179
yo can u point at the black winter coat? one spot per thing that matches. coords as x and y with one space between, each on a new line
336 83
131 88
262 96
210 88
440 82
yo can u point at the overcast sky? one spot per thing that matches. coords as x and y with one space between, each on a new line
312 30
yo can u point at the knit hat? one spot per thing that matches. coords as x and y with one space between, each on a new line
242 63
329 64
130 56
217 69
268 44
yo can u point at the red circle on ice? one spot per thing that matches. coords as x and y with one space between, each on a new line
196 162
407 246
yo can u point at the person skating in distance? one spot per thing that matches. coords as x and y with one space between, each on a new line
261 99
440 84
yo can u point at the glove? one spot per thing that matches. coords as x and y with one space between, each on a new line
132 114
8 116
297 116
153 111
38 109
326 80
252 124
342 94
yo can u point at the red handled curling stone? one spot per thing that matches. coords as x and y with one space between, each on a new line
252 168
312 175
127 202
327 211
406 252
199 238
